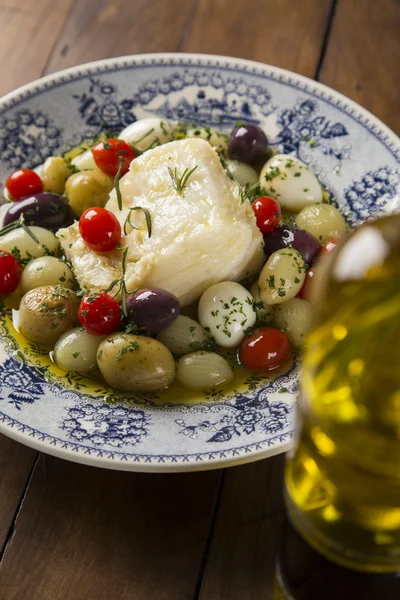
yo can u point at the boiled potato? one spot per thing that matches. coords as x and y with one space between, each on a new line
54 174
147 132
76 350
134 363
203 370
291 182
227 311
215 138
242 173
263 311
47 312
46 270
86 162
323 221
295 317
87 189
183 336
26 247
282 276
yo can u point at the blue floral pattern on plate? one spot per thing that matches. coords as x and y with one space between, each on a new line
355 157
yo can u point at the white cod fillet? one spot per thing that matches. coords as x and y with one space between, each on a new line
199 237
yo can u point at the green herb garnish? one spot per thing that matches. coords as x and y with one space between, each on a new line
121 285
116 182
130 347
16 225
180 182
147 216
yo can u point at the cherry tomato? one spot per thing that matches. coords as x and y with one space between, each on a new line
304 293
107 156
328 247
268 213
10 273
99 314
265 349
23 182
100 229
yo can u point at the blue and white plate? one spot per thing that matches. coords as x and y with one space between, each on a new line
354 156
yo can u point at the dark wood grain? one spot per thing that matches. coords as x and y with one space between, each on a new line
363 56
16 462
29 30
240 564
107 28
90 534
278 32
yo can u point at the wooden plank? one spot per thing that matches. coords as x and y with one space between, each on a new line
241 561
28 32
107 28
363 56
85 533
16 462
278 32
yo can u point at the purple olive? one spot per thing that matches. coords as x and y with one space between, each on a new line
153 309
248 144
304 242
44 210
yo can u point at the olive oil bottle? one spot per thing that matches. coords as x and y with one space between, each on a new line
343 477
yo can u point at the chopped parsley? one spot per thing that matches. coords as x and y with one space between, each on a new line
272 173
130 347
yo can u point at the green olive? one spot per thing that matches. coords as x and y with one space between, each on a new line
87 189
54 174
46 270
135 363
47 312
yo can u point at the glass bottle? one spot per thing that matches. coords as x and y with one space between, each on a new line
343 477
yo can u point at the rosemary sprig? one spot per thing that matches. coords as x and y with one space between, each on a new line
16 225
147 216
116 181
246 191
144 136
139 151
120 282
179 182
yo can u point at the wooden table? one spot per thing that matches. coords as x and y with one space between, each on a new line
70 532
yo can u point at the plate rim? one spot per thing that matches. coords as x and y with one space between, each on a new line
361 115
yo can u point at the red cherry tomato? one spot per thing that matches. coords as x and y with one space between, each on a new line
328 247
304 293
10 273
100 229
23 182
107 156
265 349
268 213
99 314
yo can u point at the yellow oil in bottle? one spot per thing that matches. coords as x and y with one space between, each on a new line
343 479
